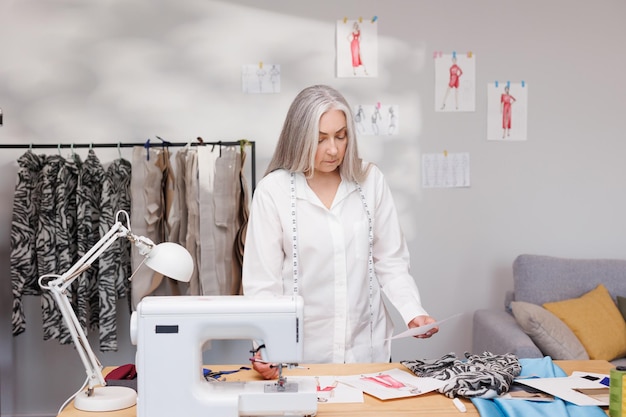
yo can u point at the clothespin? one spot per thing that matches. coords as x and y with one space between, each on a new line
360 19
496 83
147 146
345 20
374 19
469 54
260 64
454 54
445 153
119 148
508 84
523 84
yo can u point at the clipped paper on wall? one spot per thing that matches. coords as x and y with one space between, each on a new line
445 170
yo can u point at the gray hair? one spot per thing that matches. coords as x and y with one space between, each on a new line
297 143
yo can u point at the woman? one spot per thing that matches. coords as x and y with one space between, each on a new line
318 218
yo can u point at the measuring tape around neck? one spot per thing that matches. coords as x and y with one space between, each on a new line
370 262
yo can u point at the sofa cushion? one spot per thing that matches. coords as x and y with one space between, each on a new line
596 321
548 332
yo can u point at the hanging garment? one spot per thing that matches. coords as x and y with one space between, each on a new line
243 211
114 266
56 226
226 192
24 272
192 234
88 196
209 282
177 213
147 217
66 227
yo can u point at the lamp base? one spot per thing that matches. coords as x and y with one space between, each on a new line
107 398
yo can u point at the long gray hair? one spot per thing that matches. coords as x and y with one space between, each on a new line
297 143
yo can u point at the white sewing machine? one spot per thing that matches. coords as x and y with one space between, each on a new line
170 333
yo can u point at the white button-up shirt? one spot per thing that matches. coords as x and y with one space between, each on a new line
333 252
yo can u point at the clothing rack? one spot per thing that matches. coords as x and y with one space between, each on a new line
146 144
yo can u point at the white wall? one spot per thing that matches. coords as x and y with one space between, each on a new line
75 71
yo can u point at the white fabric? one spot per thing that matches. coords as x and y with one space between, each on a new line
333 253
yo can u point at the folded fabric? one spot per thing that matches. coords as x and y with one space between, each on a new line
539 367
486 375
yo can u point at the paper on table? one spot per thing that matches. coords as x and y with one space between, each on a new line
415 331
393 383
567 388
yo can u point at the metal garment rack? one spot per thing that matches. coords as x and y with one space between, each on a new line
147 144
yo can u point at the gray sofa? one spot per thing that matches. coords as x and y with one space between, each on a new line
539 279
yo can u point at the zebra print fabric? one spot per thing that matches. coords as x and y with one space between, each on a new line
484 376
58 208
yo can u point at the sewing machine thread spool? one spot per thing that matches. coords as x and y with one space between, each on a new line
617 398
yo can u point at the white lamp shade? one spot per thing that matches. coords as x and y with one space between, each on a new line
171 260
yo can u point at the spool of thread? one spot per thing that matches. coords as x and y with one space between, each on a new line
617 387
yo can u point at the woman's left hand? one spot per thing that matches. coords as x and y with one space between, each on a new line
422 321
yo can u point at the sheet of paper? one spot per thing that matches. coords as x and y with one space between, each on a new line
566 388
331 390
422 329
445 170
394 383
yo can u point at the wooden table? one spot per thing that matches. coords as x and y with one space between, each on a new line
431 404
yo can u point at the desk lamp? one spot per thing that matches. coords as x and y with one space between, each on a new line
169 259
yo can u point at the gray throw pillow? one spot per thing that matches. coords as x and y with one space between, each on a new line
548 332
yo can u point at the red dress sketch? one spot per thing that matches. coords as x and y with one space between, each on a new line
453 83
455 74
506 100
355 48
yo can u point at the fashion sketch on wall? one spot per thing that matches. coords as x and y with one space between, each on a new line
455 82
357 48
376 119
507 110
260 78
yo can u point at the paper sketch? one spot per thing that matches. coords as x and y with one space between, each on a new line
357 48
331 390
260 79
455 82
377 119
507 110
394 383
445 170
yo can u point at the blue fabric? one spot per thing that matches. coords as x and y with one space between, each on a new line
543 368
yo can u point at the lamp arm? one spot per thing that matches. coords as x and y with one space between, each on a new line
92 365
116 231
58 288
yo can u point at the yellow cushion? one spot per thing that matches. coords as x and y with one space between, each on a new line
596 321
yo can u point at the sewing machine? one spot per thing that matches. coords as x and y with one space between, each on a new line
170 333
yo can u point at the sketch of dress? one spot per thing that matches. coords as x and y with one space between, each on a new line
355 48
453 83
375 117
392 121
506 101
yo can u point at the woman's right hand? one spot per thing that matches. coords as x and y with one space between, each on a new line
267 370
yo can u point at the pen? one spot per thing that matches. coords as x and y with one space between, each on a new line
459 405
